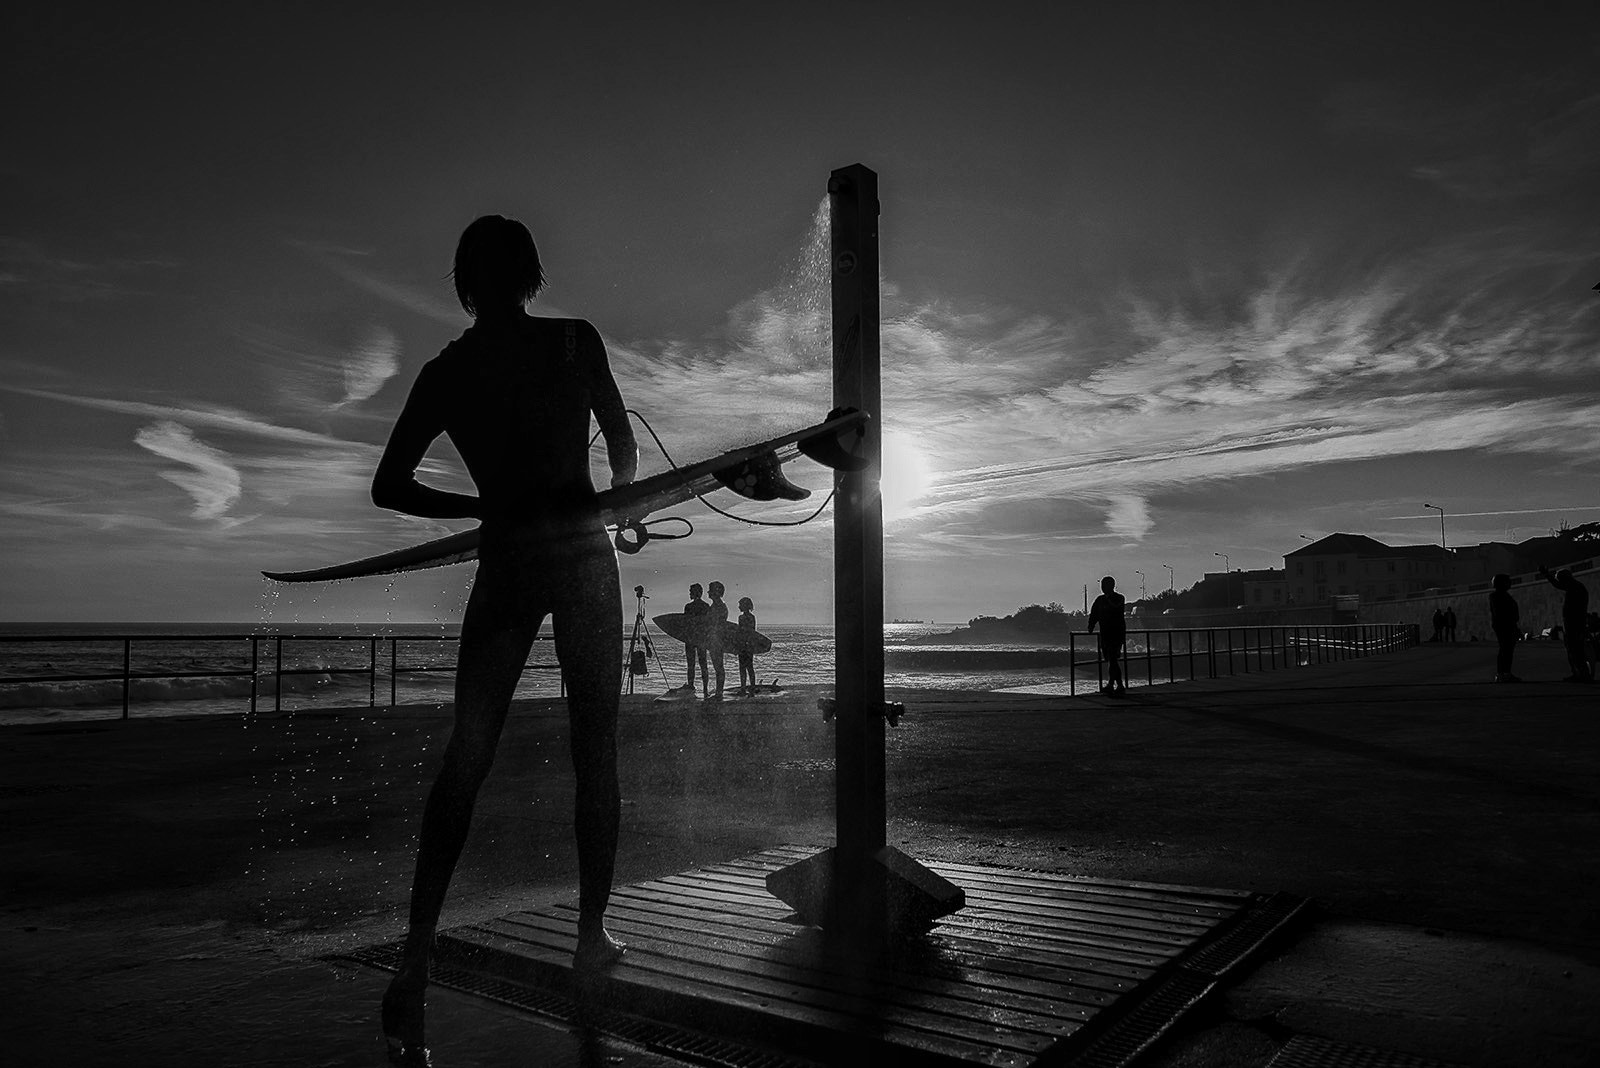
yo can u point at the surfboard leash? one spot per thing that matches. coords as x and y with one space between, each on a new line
720 511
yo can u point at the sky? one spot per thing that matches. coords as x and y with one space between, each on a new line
1160 282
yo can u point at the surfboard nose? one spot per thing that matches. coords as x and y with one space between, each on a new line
761 478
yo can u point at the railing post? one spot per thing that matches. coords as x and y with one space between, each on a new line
372 672
1072 664
127 674
1211 652
277 676
394 673
255 646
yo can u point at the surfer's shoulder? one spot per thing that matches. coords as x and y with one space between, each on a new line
458 349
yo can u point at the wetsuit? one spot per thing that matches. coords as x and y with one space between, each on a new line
514 394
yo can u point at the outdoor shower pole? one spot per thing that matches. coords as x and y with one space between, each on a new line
861 888
858 528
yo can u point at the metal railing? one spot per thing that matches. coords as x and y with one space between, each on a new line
1165 655
1216 652
128 677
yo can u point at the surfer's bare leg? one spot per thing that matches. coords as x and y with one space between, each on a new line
490 660
590 652
689 652
722 670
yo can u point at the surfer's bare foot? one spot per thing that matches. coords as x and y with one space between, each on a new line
403 1021
597 951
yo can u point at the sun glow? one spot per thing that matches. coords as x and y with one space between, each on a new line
905 475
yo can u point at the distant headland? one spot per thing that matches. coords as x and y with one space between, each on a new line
1037 622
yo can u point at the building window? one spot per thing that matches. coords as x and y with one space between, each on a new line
1341 567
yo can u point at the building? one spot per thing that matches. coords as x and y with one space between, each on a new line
1346 564
1265 587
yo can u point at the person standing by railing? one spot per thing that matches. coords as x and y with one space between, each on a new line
1107 612
1505 621
1574 620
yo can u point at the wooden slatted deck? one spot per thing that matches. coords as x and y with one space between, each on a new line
1037 968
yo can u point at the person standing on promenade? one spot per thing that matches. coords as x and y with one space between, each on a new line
514 394
1438 624
1507 626
1107 612
1574 620
1450 624
695 613
715 619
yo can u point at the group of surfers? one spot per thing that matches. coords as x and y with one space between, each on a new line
706 642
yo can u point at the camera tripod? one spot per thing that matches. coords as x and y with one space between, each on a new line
641 650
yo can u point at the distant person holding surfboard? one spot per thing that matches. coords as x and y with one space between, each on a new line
695 613
716 621
746 647
1107 612
514 394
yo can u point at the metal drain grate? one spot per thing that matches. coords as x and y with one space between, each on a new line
1304 1051
1138 1029
655 1037
1259 924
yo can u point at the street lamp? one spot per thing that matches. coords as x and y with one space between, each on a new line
1308 537
1136 571
1227 577
1172 585
1441 524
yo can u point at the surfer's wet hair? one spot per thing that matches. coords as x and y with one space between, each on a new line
496 264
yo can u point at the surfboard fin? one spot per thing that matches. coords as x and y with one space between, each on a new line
841 451
761 479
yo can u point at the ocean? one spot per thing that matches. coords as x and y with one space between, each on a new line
329 665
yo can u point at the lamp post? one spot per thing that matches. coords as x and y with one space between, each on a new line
1308 537
1444 551
1136 571
1227 577
1172 585
1436 508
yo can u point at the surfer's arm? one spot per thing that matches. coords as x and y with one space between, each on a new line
609 411
395 484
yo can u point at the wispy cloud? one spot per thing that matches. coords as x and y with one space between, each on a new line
370 364
26 267
353 265
211 417
211 479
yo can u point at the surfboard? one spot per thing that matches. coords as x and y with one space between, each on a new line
676 625
752 471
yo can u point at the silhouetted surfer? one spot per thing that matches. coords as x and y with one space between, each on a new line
747 652
716 620
695 614
514 394
1107 611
